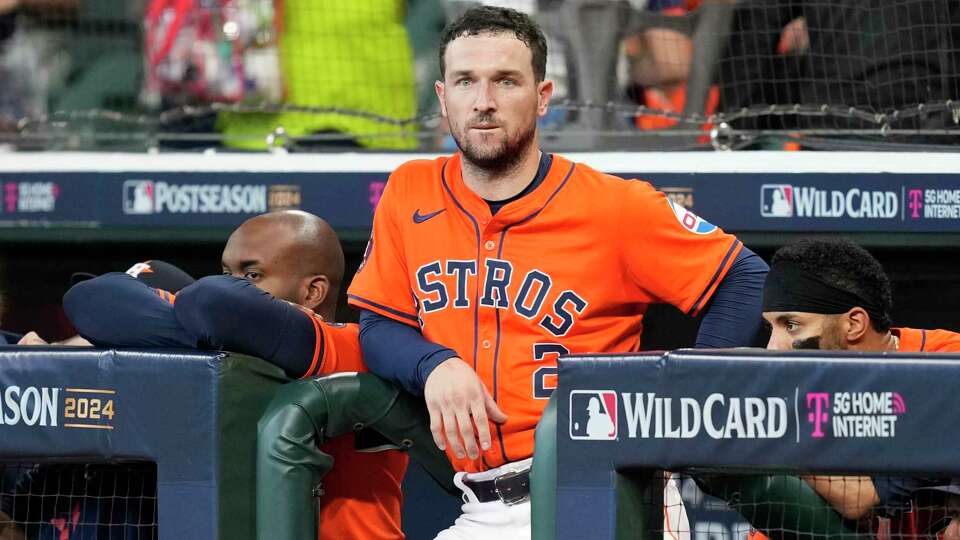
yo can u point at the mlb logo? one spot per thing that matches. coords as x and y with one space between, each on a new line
138 197
593 415
776 200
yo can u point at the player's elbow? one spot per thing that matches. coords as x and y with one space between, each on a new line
204 308
84 301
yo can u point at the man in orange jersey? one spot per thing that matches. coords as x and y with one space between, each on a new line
833 295
487 265
277 301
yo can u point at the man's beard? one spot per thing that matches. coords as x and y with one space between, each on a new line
501 158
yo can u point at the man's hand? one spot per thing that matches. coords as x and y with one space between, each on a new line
32 338
459 406
74 341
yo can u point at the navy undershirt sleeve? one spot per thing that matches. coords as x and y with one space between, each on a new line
228 313
118 310
733 316
398 352
9 338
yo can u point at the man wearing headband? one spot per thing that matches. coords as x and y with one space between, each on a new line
833 295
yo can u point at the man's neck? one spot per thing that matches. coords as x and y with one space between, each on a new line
501 185
879 342
327 313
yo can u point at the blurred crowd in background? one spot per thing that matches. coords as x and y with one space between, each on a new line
329 75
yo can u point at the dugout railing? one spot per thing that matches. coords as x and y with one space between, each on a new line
764 419
304 415
162 444
189 416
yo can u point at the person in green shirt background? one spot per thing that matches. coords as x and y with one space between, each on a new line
352 56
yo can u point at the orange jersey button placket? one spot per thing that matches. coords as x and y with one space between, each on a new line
488 317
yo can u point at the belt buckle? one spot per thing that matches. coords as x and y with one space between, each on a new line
504 494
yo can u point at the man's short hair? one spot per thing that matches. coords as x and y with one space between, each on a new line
844 265
496 20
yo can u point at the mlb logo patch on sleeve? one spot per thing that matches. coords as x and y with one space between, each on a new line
691 221
593 415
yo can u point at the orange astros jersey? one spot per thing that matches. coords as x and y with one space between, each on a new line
568 268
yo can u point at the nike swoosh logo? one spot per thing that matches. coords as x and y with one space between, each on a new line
420 218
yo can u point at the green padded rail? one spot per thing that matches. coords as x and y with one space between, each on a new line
543 475
305 414
246 386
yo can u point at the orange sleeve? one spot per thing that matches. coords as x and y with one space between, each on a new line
943 341
167 296
340 349
382 283
671 254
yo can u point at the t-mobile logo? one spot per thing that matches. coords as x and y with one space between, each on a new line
818 403
916 202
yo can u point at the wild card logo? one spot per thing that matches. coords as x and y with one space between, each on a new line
783 201
593 415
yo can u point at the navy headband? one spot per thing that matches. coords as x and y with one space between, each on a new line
791 288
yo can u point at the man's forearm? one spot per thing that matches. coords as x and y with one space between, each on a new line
117 310
852 496
398 352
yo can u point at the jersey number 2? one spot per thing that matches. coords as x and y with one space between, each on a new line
541 351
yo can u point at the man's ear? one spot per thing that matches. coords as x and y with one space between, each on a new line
856 324
315 291
439 88
544 92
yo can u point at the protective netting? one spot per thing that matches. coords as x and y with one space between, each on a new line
76 500
329 75
759 506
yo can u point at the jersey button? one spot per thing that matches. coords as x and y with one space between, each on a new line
489 245
486 344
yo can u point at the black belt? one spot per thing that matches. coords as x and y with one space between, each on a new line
511 488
